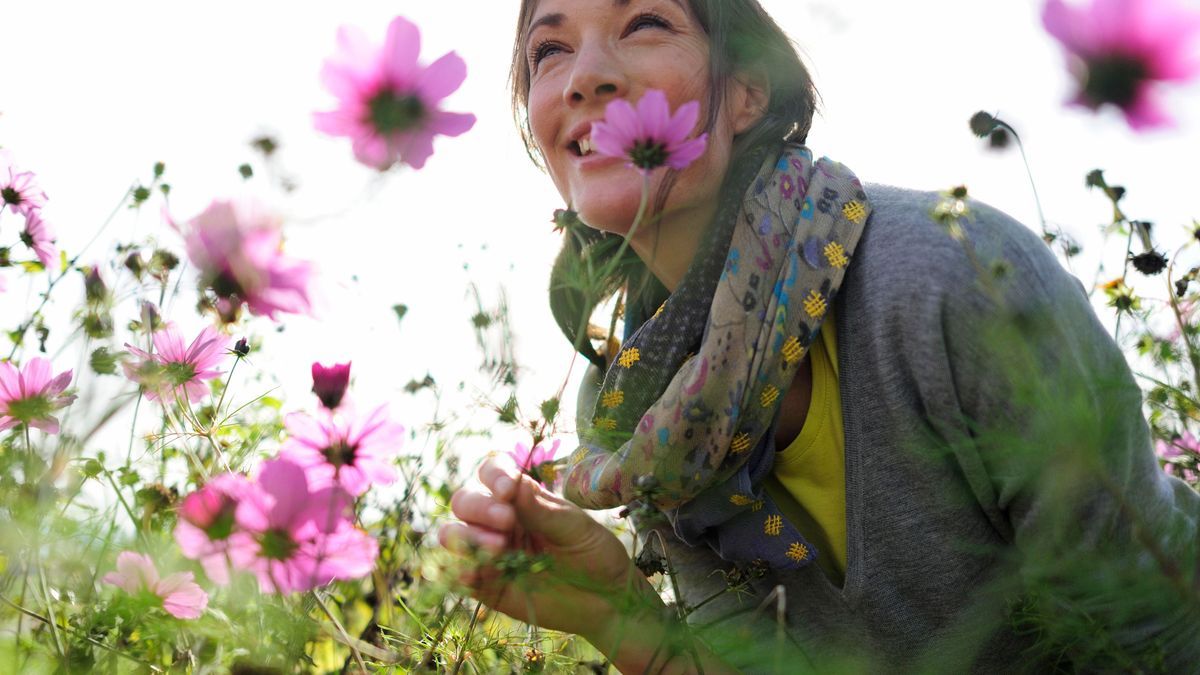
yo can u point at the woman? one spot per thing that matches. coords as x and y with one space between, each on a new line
841 410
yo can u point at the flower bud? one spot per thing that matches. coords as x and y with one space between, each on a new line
241 348
330 383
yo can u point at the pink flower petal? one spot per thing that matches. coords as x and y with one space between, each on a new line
401 49
441 78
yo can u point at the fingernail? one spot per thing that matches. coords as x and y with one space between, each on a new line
504 485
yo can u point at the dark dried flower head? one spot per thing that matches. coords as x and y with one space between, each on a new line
1149 263
999 139
982 124
1181 286
241 348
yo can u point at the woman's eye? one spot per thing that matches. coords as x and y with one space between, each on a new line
541 51
647 21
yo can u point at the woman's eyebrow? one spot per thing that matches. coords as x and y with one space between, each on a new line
556 19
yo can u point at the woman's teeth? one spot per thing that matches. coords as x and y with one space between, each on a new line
585 146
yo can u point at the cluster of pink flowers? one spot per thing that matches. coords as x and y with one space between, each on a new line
236 245
20 193
29 396
292 525
175 371
1174 454
537 462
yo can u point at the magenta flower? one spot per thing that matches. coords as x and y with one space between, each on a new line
330 382
236 247
537 462
388 103
1121 50
351 450
17 189
173 366
650 136
39 237
295 539
30 396
1179 449
206 523
177 593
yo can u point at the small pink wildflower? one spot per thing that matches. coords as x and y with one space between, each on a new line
206 522
30 396
178 593
351 450
388 104
1121 49
330 383
295 539
173 366
17 189
236 246
537 462
40 237
650 136
1180 448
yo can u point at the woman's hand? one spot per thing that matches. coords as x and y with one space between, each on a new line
591 583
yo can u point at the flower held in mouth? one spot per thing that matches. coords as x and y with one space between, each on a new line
649 136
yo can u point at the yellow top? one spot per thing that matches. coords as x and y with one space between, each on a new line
809 481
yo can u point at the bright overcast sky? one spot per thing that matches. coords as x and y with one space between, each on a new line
95 92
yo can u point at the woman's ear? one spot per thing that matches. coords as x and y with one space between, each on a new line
749 96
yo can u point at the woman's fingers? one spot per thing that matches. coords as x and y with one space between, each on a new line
463 538
499 473
478 508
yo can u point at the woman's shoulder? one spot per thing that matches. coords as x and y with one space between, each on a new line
904 244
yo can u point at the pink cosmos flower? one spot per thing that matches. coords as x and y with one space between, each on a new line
206 522
537 462
30 396
39 237
295 539
1121 49
1184 446
173 366
388 103
330 383
17 189
236 245
178 593
650 136
351 450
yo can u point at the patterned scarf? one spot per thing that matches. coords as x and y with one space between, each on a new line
686 415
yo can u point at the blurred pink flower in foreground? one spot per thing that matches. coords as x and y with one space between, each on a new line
30 396
295 539
236 245
1184 446
650 136
206 522
330 383
353 450
40 238
536 462
17 189
1122 49
173 366
388 103
179 594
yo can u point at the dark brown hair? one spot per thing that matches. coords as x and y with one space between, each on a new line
743 38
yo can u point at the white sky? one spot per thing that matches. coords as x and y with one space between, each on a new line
94 93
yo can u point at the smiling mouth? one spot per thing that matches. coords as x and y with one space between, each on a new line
582 147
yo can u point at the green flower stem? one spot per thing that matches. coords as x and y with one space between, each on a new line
1193 354
346 639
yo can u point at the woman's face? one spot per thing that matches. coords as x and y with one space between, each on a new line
582 54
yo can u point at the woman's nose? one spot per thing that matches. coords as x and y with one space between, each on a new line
596 76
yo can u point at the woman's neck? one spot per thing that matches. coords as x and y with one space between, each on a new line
667 249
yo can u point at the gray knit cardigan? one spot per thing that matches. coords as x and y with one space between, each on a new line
991 501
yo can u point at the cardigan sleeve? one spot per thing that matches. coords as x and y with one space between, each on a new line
1053 441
